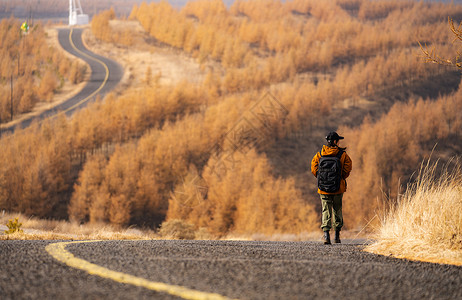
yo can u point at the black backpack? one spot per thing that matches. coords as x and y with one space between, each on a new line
330 172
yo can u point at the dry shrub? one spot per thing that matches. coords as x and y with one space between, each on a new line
177 229
77 72
47 85
426 223
203 234
100 25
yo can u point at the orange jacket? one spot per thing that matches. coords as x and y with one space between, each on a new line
345 160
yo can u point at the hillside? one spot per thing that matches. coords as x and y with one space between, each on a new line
34 73
228 148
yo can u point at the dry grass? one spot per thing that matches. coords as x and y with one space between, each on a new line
426 224
36 229
168 66
39 229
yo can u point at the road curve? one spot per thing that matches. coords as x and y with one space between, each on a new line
232 269
105 75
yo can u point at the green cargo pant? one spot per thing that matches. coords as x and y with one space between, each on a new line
331 205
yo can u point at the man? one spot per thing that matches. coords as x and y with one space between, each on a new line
331 166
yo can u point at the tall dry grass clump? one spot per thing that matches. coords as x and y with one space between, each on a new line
426 222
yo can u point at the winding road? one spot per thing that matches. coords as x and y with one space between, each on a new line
164 269
105 75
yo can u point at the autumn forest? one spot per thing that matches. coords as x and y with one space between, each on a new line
231 154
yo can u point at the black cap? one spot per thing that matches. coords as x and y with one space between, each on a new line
333 136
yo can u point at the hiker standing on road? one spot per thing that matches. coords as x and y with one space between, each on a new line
331 166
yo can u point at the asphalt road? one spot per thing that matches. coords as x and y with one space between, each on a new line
105 75
233 269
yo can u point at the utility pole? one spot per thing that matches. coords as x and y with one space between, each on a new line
19 48
11 97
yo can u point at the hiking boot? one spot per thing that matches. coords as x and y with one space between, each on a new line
337 237
326 238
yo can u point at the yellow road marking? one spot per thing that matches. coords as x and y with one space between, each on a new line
97 90
59 252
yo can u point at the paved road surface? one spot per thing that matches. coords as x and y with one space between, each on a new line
105 75
233 269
